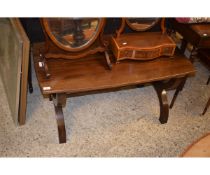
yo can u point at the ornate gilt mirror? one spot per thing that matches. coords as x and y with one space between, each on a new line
73 38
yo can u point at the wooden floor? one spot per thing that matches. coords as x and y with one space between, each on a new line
200 148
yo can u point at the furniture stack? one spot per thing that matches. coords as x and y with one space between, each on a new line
70 62
198 35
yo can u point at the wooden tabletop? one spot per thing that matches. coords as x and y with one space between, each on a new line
202 29
143 40
91 73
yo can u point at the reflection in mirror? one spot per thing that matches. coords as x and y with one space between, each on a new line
73 32
141 24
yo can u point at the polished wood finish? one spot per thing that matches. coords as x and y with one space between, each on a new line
147 23
74 77
203 31
162 96
196 34
56 53
142 46
162 25
55 50
161 88
59 101
199 148
121 29
51 35
125 21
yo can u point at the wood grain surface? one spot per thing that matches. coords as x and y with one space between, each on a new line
199 148
89 74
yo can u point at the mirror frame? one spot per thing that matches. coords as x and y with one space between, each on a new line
124 23
133 28
71 49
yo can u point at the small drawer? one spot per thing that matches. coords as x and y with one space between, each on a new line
168 51
126 53
144 54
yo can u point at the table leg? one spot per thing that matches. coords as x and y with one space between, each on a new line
162 96
161 87
206 107
179 88
59 101
183 46
208 81
193 54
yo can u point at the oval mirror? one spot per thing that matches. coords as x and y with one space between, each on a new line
73 34
141 24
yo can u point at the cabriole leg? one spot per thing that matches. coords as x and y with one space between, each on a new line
208 80
206 107
162 96
179 88
60 124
